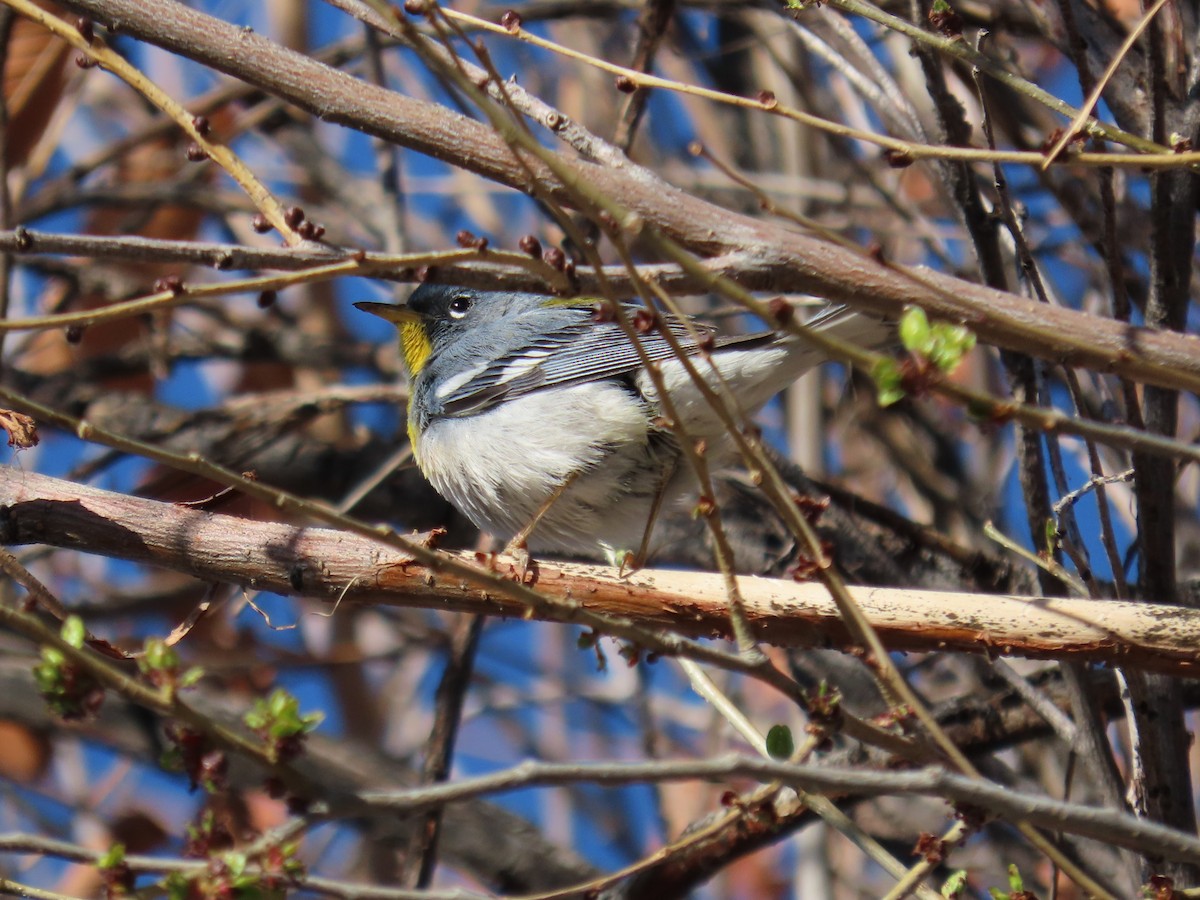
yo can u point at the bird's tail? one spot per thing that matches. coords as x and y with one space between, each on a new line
841 322
758 366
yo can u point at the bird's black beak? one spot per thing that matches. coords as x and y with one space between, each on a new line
397 315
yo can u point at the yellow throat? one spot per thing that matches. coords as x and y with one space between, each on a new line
416 350
414 347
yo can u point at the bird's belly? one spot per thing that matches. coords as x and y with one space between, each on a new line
501 466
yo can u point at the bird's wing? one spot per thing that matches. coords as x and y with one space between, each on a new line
576 352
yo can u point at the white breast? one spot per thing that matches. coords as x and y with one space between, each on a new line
500 466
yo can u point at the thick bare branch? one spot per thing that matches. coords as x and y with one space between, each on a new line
343 568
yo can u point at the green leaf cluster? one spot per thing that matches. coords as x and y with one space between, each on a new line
942 344
161 665
278 717
937 346
69 691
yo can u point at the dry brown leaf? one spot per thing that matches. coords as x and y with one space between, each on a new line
180 631
22 430
24 753
35 73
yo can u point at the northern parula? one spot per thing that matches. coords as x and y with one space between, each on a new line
523 405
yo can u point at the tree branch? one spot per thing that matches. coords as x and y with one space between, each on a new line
342 568
777 258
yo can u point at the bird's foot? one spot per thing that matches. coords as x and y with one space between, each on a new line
626 562
524 567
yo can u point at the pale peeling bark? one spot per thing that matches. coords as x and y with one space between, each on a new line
339 567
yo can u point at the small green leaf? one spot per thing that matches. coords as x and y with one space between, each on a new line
961 337
191 677
157 656
279 716
915 332
954 886
939 343
236 862
948 345
113 857
780 744
48 673
889 383
1051 536
74 632
69 691
1015 883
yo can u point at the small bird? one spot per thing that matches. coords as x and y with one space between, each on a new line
536 416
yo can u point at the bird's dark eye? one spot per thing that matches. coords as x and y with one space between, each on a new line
459 306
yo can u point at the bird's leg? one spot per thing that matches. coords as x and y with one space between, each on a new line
517 547
656 504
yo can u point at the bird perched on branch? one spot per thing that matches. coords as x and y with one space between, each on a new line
538 418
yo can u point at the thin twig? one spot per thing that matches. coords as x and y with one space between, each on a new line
1093 97
103 56
439 749
1118 828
